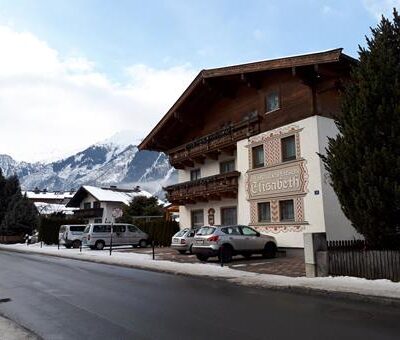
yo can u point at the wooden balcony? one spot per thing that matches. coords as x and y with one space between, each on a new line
223 140
89 213
213 188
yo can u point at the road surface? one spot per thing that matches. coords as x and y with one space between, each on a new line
69 299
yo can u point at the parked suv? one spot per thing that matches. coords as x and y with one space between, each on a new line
182 241
70 235
98 236
227 241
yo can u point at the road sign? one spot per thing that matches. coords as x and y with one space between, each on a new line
117 212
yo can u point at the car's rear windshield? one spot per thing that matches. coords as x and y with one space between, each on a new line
205 231
77 228
181 232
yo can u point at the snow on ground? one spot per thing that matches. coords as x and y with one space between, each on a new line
376 288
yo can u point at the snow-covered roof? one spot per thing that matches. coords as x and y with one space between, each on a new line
51 208
56 195
108 195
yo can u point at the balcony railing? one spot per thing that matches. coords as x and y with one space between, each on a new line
204 189
89 213
211 145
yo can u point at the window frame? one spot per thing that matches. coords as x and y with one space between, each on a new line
196 171
269 93
253 159
229 161
228 208
281 202
291 158
259 212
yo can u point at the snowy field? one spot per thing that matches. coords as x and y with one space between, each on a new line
375 288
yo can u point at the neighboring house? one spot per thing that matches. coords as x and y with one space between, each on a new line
50 202
97 204
246 139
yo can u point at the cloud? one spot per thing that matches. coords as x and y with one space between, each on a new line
258 34
379 7
51 105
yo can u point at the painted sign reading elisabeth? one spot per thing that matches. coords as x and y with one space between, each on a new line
282 180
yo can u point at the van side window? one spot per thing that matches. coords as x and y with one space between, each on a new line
102 228
132 229
119 228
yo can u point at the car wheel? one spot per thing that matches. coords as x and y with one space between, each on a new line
182 252
76 244
68 246
225 253
143 244
99 245
202 258
269 250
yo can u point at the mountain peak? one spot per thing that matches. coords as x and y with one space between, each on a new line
122 138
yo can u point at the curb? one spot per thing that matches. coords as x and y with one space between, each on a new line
386 301
13 331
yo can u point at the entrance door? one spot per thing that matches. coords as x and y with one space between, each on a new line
228 216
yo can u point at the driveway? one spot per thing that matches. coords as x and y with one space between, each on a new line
289 262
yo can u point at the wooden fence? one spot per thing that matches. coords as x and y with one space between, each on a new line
353 258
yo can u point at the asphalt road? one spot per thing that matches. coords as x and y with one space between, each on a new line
67 299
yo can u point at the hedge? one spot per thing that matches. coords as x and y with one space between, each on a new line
159 230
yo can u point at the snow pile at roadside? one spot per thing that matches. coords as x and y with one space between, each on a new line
377 288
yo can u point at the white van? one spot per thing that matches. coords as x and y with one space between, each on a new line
97 236
70 235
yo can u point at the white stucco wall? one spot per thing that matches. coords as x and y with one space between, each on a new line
338 227
107 208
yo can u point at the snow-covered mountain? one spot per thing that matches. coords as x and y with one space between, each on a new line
115 161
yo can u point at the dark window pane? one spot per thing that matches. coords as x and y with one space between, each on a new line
197 218
86 205
228 216
288 148
248 231
272 101
264 212
227 166
258 156
96 204
194 174
286 210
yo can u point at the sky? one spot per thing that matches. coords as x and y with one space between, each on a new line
75 72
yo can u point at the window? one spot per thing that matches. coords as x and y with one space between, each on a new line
249 232
227 166
206 231
194 174
231 231
86 205
288 148
197 218
77 228
264 212
258 156
272 101
228 216
98 220
132 229
102 228
96 205
286 210
119 229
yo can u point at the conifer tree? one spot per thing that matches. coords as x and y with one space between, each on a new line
364 159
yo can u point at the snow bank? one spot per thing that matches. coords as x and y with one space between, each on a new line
376 288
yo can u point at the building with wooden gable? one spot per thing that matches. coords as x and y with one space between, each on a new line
246 139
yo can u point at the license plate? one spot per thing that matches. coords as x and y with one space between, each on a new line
199 241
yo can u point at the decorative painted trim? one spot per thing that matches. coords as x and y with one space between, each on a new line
276 229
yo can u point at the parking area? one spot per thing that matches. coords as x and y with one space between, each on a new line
289 262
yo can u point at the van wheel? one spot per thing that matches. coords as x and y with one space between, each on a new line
68 246
142 243
99 245
76 244
182 252
269 250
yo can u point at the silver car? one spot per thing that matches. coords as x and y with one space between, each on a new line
182 241
227 241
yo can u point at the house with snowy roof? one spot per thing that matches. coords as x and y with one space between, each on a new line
97 204
50 202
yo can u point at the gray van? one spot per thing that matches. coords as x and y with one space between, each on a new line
98 235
